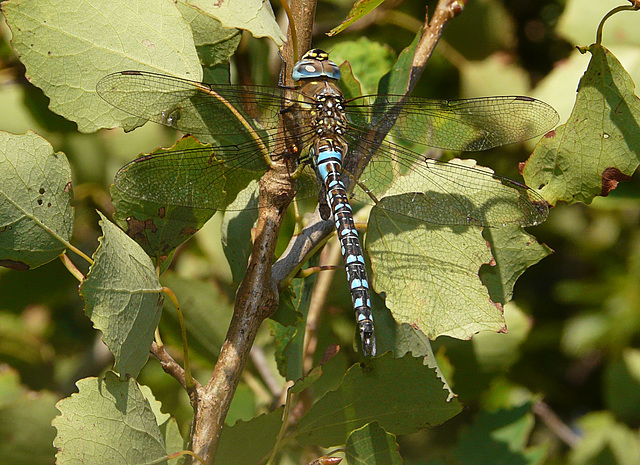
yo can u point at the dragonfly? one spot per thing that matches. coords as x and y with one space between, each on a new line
350 148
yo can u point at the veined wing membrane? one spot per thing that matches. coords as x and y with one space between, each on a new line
221 113
446 194
202 177
466 125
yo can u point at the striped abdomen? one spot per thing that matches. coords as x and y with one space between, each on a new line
327 154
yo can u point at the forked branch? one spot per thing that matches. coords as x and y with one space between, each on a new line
258 296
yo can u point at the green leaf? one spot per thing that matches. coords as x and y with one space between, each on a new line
378 392
289 323
155 404
497 351
428 272
238 221
246 442
254 16
514 251
214 42
622 385
25 423
168 425
599 145
605 441
396 80
36 218
372 445
84 41
479 78
207 314
368 62
500 437
173 440
309 379
359 10
160 213
107 421
123 298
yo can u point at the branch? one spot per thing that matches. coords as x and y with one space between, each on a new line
304 244
171 367
258 295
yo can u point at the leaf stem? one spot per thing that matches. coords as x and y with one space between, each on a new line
283 427
78 252
175 455
292 29
634 7
68 264
185 347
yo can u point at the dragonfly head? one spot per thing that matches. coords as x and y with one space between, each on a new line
315 64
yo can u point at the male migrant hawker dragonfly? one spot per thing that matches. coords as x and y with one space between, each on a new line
346 143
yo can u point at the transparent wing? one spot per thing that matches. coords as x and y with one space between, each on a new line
466 125
232 114
439 193
203 177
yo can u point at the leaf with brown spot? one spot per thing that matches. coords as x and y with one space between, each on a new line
610 179
36 218
600 143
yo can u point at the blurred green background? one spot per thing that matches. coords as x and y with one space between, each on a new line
575 319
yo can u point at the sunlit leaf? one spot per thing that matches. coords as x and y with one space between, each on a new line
214 42
360 9
107 421
514 251
600 144
36 218
580 19
84 41
123 298
254 16
604 440
429 272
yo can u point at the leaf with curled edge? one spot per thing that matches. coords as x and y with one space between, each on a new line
599 145
123 298
426 261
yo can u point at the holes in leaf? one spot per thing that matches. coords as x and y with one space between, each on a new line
42 191
40 201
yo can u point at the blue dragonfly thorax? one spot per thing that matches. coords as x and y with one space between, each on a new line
315 64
